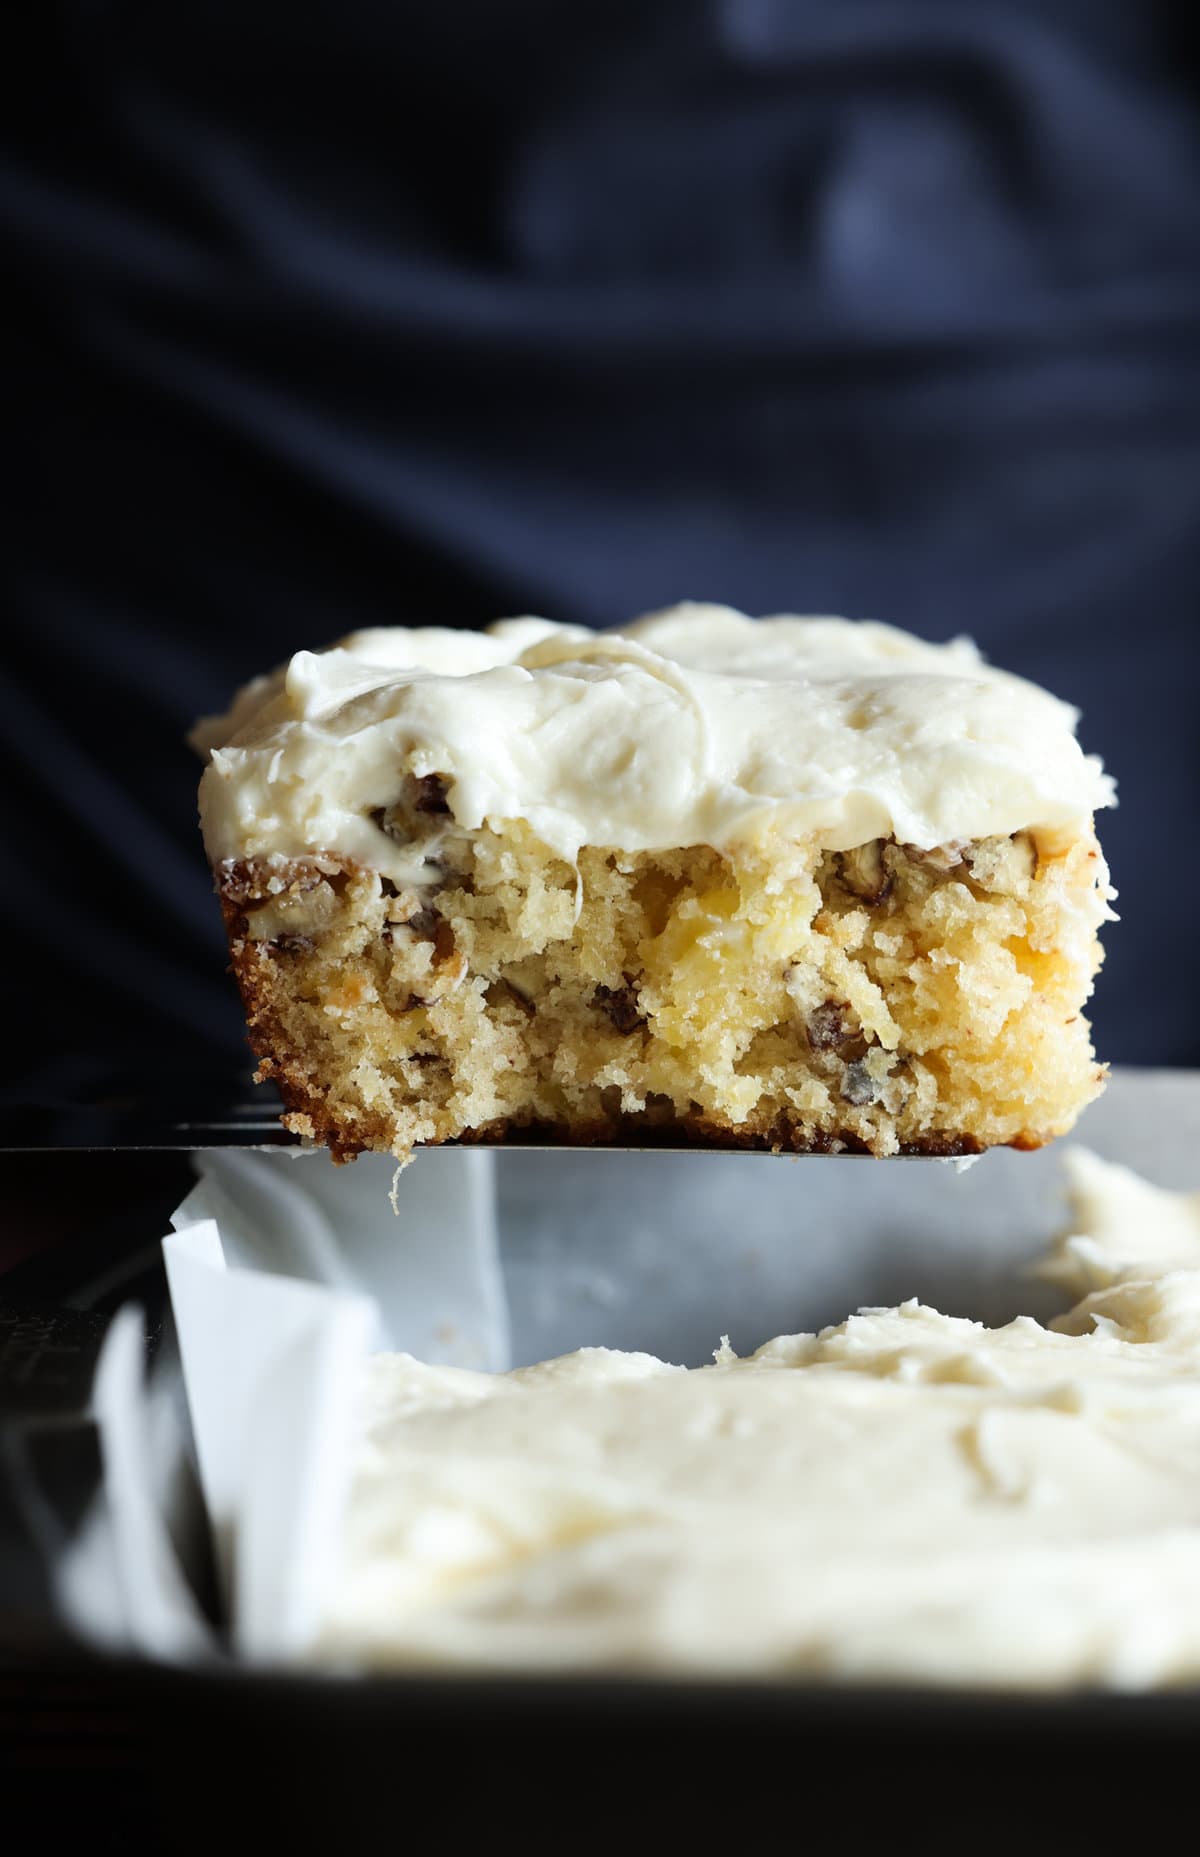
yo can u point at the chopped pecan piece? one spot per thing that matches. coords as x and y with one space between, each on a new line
300 910
292 944
426 923
431 793
621 1005
503 989
410 818
859 1086
830 1025
443 941
864 873
941 858
257 881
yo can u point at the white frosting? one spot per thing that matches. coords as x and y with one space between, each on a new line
692 726
1124 1227
908 1495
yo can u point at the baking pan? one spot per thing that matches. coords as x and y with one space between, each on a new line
664 1251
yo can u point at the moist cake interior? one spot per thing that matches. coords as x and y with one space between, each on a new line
884 999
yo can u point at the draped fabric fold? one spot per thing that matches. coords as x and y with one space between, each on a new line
345 315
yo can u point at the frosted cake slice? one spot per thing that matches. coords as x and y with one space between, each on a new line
790 883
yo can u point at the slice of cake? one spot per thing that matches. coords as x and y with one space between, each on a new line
787 883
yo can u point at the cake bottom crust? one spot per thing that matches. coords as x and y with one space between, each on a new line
309 1117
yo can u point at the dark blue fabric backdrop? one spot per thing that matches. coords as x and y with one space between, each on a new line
336 314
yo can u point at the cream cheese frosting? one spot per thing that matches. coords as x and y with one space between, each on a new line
906 1496
695 725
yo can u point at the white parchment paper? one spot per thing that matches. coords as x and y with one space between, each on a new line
284 1273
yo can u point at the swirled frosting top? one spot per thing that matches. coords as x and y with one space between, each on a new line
695 725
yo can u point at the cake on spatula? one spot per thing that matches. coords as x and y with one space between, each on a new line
794 883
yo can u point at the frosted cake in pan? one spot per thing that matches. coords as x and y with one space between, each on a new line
905 1497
